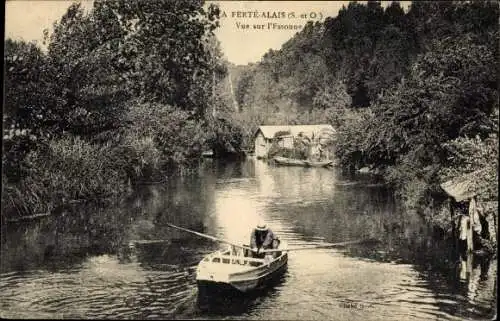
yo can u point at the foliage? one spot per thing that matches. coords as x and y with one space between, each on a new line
176 135
166 53
25 87
87 88
121 95
25 104
66 169
474 155
405 91
140 157
225 137
143 85
438 103
350 143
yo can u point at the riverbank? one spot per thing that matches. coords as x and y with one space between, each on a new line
156 143
445 206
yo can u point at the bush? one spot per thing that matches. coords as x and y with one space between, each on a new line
467 155
178 139
67 169
140 157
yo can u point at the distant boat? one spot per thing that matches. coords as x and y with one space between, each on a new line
324 163
289 161
299 162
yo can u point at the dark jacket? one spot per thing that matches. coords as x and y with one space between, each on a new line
262 239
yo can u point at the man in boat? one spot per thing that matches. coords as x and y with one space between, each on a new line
262 238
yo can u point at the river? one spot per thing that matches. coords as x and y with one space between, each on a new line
84 263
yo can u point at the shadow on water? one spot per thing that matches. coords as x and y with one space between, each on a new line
230 302
67 239
464 285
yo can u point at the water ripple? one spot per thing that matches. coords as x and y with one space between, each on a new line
305 207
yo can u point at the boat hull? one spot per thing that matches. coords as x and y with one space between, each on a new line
319 164
304 163
206 286
213 279
289 161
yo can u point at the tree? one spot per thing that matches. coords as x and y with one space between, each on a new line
167 49
389 62
451 92
474 155
26 104
225 137
85 64
24 84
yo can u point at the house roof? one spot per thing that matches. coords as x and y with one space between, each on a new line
463 187
270 131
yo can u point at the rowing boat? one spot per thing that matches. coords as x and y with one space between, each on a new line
289 161
299 162
236 269
325 163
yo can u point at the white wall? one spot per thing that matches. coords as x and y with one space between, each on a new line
260 145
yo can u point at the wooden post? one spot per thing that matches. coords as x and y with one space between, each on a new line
470 259
492 224
470 232
463 269
454 233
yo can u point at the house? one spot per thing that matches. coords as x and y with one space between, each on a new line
285 135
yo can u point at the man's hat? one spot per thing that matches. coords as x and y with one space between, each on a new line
261 226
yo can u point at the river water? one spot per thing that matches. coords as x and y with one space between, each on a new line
85 263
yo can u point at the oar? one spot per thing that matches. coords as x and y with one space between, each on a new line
325 246
148 241
209 237
329 245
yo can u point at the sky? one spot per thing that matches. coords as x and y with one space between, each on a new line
248 45
26 19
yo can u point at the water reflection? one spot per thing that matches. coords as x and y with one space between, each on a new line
91 262
224 303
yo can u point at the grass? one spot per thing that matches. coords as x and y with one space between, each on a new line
66 170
